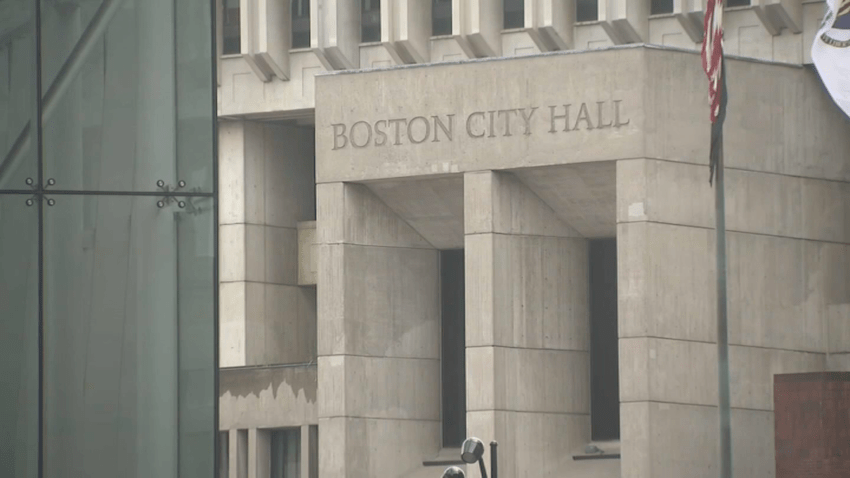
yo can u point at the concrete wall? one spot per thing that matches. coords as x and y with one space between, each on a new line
268 397
635 102
379 337
527 329
266 184
787 276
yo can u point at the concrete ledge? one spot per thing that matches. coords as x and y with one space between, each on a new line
267 397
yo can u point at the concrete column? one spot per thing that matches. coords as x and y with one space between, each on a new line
379 338
238 453
309 451
259 458
527 331
787 285
266 186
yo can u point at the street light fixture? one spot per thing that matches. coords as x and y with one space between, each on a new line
472 451
453 472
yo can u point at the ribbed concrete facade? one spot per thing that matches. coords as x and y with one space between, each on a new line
348 167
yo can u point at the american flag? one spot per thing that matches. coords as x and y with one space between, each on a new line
713 64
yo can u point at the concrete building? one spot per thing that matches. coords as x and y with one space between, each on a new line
483 218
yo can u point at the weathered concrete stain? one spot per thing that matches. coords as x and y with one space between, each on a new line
243 383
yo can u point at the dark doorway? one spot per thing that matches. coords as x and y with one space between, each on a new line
453 347
604 356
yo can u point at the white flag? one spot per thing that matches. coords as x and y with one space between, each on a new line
831 52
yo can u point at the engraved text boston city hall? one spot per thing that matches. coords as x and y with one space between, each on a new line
480 124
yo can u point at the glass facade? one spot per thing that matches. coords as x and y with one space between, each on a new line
107 239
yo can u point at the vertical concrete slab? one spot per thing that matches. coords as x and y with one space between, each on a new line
265 317
527 337
379 337
787 292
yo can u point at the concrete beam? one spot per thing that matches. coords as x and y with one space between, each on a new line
335 33
625 21
690 14
777 15
406 30
479 24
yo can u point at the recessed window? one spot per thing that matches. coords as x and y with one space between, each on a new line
300 23
441 17
285 453
453 355
587 10
231 33
737 3
370 20
514 14
604 361
660 7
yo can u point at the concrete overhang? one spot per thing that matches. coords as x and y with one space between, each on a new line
627 102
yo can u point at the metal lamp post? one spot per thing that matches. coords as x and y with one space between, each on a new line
472 451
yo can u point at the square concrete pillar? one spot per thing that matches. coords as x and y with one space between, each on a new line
378 337
783 275
266 180
527 330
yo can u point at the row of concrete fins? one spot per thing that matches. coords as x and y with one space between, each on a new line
476 26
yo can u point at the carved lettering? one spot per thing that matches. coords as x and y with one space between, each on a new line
492 125
427 125
396 123
583 115
507 114
565 117
469 125
379 133
352 134
448 132
526 119
600 123
617 122
339 132
479 124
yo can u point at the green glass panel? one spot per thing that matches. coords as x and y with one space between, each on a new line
195 95
18 96
19 337
128 97
129 338
196 283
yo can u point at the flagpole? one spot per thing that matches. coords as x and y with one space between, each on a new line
722 327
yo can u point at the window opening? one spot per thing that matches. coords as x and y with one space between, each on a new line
441 17
370 21
300 23
232 34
